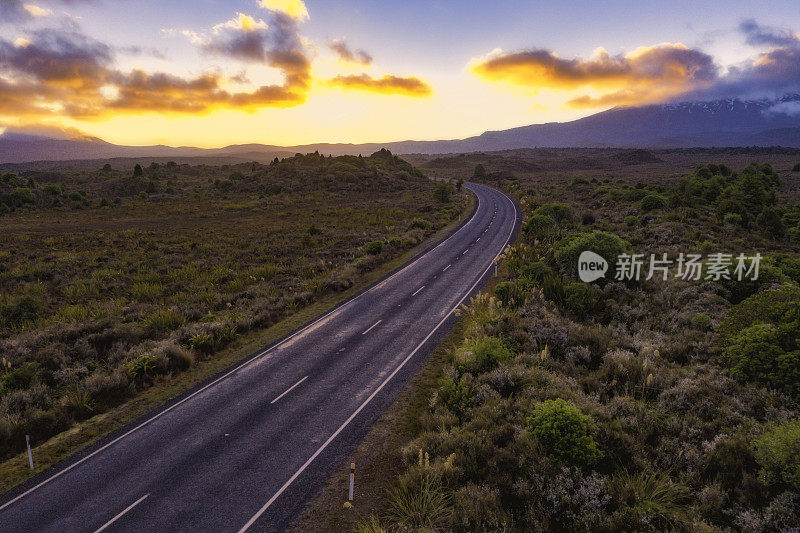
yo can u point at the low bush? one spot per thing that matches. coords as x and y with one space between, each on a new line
374 247
778 453
565 433
652 202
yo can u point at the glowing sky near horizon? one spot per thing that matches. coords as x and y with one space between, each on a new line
211 72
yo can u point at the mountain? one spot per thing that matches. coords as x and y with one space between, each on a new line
729 122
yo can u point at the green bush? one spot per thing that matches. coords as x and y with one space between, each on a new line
734 219
21 196
701 321
565 433
374 247
510 294
607 245
631 221
443 192
420 223
582 299
796 167
561 213
540 226
778 453
458 395
482 355
652 202
756 355
535 272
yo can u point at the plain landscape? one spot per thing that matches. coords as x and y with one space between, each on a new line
399 267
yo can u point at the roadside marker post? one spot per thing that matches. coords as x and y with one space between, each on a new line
352 481
30 455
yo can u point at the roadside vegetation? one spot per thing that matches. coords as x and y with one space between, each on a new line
113 280
617 405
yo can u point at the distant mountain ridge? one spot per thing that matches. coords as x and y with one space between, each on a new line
727 122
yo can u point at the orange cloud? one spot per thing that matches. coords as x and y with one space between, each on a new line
646 75
388 84
296 9
65 74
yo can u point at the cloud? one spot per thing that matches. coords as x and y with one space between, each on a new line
358 57
388 84
36 11
58 73
758 35
294 9
18 10
647 73
653 74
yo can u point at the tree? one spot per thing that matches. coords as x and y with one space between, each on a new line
459 184
137 171
480 172
107 167
443 192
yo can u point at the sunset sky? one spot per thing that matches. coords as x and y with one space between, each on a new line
212 73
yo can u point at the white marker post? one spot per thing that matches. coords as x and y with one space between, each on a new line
30 455
352 481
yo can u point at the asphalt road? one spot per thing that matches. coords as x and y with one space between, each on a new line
250 448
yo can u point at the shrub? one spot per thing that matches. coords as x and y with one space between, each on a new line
701 321
796 167
458 395
650 500
165 320
755 355
421 224
607 245
631 220
652 202
535 272
561 213
510 294
778 453
582 299
565 433
540 226
443 192
587 219
24 310
482 355
374 247
422 505
734 219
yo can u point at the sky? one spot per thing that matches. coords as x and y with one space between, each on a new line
212 73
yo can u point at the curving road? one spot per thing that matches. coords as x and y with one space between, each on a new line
250 448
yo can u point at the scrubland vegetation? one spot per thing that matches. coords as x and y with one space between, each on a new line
652 405
115 279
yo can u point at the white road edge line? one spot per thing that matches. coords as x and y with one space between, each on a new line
372 326
445 268
131 506
417 291
376 391
243 365
287 391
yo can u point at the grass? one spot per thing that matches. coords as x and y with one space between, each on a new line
15 470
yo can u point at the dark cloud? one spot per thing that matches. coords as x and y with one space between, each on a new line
63 73
345 53
277 44
409 86
757 35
